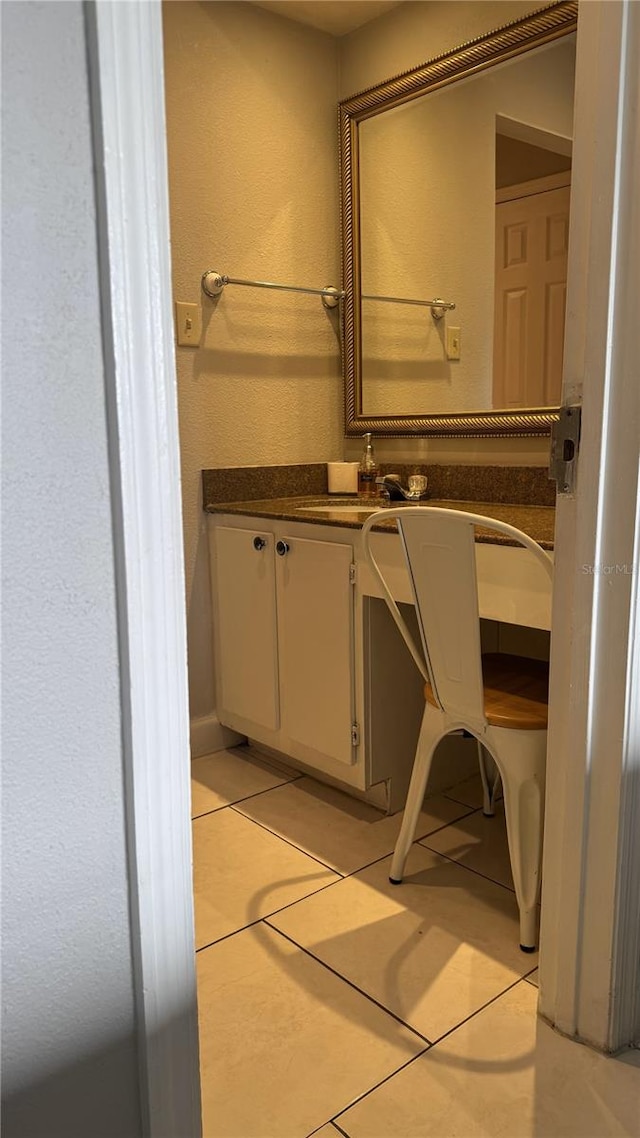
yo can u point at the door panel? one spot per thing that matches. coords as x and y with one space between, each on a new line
246 625
315 637
554 341
515 303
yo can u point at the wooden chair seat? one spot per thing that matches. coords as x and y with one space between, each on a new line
516 692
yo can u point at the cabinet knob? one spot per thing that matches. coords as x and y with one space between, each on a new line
282 547
259 543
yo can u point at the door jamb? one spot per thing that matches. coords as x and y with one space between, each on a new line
590 934
125 66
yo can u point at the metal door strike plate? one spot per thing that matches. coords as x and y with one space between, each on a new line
565 442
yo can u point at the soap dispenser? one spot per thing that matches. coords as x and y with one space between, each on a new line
368 470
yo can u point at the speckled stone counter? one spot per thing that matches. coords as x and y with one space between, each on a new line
520 485
536 521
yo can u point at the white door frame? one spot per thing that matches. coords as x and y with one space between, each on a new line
590 936
592 860
127 90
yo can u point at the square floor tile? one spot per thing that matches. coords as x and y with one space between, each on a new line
433 950
242 873
284 1043
339 830
505 1074
230 775
469 792
479 843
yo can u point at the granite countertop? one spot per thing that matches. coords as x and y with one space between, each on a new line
537 522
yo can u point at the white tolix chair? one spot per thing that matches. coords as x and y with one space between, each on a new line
499 699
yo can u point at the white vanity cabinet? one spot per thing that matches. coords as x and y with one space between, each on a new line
308 659
283 612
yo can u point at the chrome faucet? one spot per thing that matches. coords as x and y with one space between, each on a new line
392 489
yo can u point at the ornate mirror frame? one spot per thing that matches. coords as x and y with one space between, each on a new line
545 25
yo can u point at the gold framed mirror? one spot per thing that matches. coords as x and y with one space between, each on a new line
426 352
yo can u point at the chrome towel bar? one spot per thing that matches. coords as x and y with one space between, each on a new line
438 307
213 283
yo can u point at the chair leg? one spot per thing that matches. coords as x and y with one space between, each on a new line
488 788
430 736
521 757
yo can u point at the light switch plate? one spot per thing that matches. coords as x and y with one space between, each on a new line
188 324
453 343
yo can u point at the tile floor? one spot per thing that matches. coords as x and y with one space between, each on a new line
332 1003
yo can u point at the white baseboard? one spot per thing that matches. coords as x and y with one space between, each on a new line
208 735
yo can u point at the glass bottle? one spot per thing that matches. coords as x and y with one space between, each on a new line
367 471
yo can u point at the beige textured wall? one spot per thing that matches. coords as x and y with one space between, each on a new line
70 1062
416 31
251 126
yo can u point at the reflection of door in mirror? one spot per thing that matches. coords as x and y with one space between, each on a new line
532 227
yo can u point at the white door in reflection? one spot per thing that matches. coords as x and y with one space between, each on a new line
532 231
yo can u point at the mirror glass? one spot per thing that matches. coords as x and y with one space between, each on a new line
462 194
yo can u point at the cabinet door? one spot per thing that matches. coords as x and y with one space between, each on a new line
245 612
315 639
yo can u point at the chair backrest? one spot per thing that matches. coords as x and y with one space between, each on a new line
439 547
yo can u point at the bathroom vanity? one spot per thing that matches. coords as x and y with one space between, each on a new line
308 660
